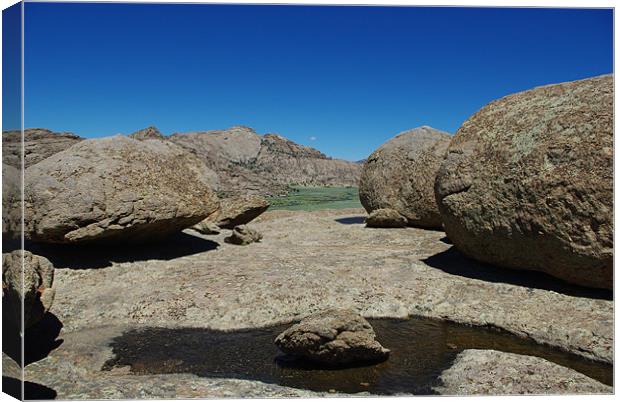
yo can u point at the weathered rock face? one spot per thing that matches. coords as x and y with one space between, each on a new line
149 133
400 175
38 291
236 211
528 182
39 143
116 189
248 163
243 235
333 337
386 218
11 205
489 372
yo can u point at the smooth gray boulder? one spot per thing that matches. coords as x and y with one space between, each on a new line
243 235
490 372
400 175
116 189
528 182
386 218
37 292
333 337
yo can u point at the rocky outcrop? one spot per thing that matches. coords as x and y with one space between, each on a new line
149 133
528 182
11 202
333 337
116 189
243 235
489 372
37 291
385 218
248 163
39 143
235 211
400 175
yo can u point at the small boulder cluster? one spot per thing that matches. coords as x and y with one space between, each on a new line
525 183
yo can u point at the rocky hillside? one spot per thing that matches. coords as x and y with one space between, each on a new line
245 162
39 143
264 164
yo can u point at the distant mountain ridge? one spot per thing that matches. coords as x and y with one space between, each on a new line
244 161
264 164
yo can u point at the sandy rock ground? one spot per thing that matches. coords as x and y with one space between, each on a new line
306 262
489 372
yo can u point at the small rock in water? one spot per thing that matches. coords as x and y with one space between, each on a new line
333 337
243 235
386 218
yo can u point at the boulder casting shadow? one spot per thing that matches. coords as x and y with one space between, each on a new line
421 349
454 262
89 256
39 340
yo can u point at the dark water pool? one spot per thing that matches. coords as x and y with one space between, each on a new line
421 350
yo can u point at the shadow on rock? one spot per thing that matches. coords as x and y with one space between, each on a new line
13 387
454 262
353 220
101 256
39 341
421 349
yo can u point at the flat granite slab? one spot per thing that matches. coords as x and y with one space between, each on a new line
307 262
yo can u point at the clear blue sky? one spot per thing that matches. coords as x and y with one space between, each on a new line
349 77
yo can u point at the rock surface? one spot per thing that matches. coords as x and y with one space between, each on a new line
207 227
533 172
39 143
199 280
236 211
386 218
243 235
11 202
490 372
38 291
400 175
249 163
333 337
116 189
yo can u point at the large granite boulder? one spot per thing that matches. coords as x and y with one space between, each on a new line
235 211
400 175
37 291
38 144
528 182
333 337
116 189
490 372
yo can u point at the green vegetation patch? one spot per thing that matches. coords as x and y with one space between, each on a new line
315 198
